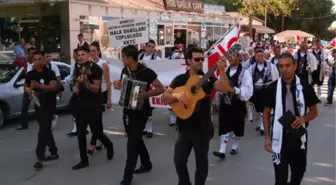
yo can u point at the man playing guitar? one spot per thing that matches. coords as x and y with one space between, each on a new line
195 131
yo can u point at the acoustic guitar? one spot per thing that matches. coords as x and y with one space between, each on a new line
193 89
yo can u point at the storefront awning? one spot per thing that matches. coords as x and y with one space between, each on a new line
263 29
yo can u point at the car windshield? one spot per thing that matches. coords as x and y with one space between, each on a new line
7 72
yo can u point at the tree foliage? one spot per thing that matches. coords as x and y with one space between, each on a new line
313 16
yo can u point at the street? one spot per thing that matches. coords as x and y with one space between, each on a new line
252 165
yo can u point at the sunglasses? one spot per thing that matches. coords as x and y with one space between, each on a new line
199 59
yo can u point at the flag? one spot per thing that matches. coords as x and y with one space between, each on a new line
298 38
220 48
333 42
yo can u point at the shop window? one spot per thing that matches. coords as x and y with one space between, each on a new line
161 37
169 35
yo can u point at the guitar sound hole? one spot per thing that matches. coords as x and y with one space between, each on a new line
193 89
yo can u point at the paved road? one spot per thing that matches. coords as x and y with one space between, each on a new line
251 166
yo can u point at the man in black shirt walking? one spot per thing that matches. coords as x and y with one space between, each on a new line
87 105
137 118
196 131
41 82
290 97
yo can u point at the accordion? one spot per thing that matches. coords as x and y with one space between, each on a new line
129 91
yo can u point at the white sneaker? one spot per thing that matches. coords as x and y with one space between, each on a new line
54 122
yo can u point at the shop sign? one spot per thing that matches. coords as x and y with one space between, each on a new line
128 32
213 8
184 5
91 26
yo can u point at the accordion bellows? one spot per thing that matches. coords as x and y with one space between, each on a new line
129 91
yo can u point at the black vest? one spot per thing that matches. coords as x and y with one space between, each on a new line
318 57
277 64
234 81
260 74
302 63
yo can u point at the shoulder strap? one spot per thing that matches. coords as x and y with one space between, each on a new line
241 75
142 56
153 57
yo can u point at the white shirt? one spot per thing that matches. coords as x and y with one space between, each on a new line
245 90
274 73
101 62
69 78
312 62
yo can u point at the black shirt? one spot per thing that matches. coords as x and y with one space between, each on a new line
201 117
88 99
309 94
142 73
47 98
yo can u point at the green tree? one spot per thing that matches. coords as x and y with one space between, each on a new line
313 16
252 8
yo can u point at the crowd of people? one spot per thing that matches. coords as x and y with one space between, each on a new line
254 79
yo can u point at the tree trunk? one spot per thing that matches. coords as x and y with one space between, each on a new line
283 23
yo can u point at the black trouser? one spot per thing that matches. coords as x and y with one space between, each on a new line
45 136
135 143
24 110
186 140
93 119
294 157
104 100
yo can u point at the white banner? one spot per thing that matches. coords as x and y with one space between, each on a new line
166 70
127 32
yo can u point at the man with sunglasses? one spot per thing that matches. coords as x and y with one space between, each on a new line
196 131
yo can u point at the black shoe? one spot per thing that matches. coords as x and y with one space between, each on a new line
144 168
72 134
251 120
233 152
125 182
22 128
219 154
80 165
38 166
327 103
149 134
110 152
172 124
262 132
144 133
258 128
51 158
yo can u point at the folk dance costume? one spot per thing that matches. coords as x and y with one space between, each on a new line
262 75
275 61
306 64
318 75
232 109
249 105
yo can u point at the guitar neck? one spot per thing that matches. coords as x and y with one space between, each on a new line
207 75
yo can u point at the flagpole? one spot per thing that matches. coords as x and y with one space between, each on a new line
219 40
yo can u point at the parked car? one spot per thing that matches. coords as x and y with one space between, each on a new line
12 81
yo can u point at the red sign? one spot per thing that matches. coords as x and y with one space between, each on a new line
184 5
